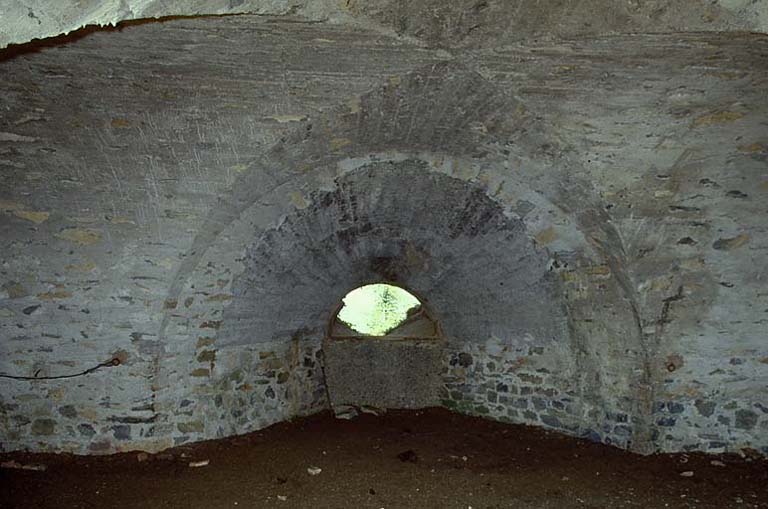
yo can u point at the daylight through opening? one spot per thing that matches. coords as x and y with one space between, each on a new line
377 309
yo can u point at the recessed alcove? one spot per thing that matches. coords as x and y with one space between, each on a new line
383 350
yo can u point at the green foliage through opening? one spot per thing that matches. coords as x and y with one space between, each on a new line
376 309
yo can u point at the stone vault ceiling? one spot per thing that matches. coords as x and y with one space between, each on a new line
435 21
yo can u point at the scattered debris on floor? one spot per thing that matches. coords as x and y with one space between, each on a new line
750 454
15 465
346 412
372 410
432 459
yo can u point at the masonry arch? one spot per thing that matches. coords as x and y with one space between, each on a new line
460 161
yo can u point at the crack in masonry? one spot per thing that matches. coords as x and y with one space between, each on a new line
664 317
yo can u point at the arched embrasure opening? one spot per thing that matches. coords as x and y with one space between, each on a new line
382 310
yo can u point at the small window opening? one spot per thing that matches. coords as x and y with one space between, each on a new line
382 310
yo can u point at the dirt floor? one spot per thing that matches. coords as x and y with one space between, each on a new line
425 459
